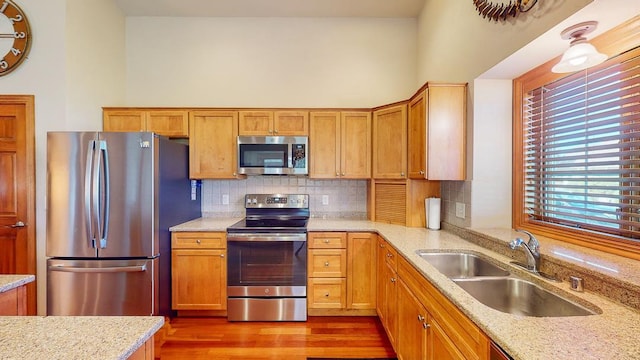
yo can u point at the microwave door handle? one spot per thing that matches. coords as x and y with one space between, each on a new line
88 187
290 163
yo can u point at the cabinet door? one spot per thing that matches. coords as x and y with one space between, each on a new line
212 144
355 144
390 143
14 302
170 123
391 305
361 270
417 137
199 279
381 300
123 120
291 123
446 132
412 322
440 345
324 144
255 123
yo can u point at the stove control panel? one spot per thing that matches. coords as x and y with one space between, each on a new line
276 201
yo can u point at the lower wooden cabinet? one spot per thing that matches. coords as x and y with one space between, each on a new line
199 271
387 289
14 302
144 352
341 273
430 326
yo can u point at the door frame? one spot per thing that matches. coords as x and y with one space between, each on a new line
30 267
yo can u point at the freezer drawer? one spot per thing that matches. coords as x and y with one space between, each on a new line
102 287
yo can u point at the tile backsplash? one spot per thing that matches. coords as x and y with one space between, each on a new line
346 198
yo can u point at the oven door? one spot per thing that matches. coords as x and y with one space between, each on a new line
267 265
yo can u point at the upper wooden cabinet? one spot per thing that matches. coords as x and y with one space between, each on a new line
212 144
436 133
273 123
340 145
390 142
170 123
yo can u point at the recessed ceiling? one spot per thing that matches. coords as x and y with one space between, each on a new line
273 8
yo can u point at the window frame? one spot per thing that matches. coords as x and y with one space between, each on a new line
616 41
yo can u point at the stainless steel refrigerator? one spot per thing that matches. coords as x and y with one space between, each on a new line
111 198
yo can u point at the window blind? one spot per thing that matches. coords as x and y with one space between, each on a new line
581 147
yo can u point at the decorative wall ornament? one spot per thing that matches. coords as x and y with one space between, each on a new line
500 11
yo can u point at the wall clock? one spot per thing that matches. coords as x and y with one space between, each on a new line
15 36
501 10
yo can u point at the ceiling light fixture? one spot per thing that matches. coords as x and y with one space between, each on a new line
580 55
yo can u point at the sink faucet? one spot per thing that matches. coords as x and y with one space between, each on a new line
531 249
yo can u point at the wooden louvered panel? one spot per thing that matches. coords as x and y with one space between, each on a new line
391 204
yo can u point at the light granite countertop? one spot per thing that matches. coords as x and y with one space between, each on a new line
75 337
610 334
9 282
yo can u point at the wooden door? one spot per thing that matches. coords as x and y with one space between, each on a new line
390 143
124 120
170 123
252 123
17 190
212 144
355 145
291 123
324 145
361 271
417 137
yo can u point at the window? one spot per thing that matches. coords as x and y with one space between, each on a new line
577 154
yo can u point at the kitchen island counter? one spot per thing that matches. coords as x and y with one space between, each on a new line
75 337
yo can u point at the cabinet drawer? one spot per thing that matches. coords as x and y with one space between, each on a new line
199 240
327 263
327 293
327 240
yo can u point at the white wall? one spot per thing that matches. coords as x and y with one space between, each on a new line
95 61
492 169
270 62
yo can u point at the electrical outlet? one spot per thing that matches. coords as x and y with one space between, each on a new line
460 210
325 199
225 199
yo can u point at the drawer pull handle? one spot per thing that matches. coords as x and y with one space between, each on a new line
326 264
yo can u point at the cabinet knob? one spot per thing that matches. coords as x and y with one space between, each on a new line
326 295
393 280
401 174
389 255
198 241
326 264
420 318
270 131
421 172
326 241
275 131
343 174
382 246
221 255
425 325
337 174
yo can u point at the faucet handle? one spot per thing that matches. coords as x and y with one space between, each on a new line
515 243
533 243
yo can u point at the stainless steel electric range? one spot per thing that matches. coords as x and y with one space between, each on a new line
267 259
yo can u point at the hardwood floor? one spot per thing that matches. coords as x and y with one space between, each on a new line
216 338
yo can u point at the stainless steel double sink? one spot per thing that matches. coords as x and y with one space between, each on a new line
498 288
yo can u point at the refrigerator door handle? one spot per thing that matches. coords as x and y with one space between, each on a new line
88 192
102 192
114 269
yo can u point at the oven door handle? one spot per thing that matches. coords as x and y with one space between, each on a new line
267 237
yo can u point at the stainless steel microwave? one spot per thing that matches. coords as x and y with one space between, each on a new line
273 155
